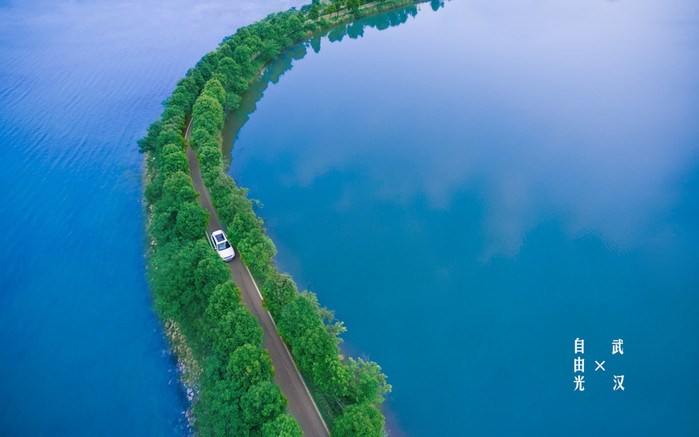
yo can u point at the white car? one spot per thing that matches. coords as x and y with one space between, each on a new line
222 246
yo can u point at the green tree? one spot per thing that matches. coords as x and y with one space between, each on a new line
314 12
331 376
201 135
218 413
174 115
177 189
207 114
147 144
214 370
257 250
172 272
210 273
242 223
248 366
154 189
265 29
278 291
177 198
283 426
185 94
205 67
315 346
162 226
173 160
209 158
225 49
192 220
262 403
225 298
235 329
230 70
241 56
359 420
367 382
254 42
169 134
334 327
240 85
294 28
298 316
214 89
270 49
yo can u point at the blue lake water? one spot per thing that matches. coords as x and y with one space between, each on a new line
474 189
81 352
470 191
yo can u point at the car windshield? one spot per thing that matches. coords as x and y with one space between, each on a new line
223 246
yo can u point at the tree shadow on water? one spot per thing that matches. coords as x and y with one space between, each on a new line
284 62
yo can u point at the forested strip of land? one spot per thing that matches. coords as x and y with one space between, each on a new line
191 284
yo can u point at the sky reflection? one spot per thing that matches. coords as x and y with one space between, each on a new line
582 110
473 189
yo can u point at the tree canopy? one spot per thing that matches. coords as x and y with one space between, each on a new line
262 403
359 420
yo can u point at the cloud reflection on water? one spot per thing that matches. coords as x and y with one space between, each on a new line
584 114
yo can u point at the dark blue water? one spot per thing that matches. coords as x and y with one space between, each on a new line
81 352
476 188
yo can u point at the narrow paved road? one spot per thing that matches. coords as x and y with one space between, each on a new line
286 375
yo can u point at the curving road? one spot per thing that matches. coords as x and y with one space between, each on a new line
286 375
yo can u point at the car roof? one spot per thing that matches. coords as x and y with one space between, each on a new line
219 236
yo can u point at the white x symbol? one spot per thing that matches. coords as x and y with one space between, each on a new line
599 366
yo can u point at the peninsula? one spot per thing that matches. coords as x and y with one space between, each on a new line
265 361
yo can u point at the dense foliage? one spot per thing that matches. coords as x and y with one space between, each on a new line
191 284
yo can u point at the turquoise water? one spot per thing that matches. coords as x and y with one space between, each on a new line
81 352
474 189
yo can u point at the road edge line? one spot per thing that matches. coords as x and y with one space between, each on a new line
286 348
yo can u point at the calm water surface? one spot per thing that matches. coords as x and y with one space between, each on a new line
81 352
474 189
